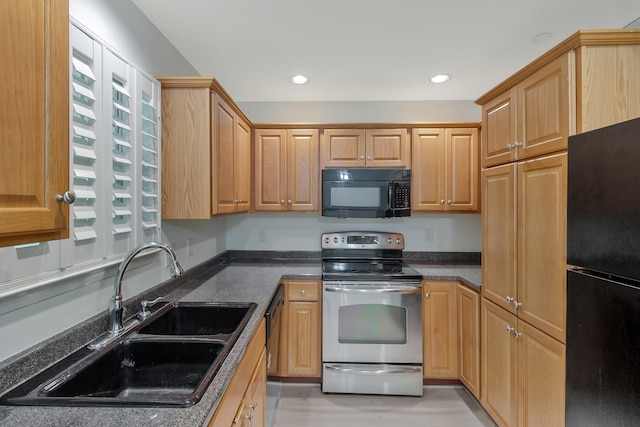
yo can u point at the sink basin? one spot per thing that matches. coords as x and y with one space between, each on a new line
169 359
156 372
198 319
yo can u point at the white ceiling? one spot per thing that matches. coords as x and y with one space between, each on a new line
371 50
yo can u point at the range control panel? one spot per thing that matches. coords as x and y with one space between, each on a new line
362 240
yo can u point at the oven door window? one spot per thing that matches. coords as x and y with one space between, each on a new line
372 324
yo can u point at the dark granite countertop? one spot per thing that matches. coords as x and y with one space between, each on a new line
246 282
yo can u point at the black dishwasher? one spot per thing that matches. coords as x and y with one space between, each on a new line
273 318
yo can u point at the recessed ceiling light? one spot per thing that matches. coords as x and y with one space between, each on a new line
299 79
439 78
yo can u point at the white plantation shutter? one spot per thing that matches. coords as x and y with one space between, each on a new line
86 243
149 143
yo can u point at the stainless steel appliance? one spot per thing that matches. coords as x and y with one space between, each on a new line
366 193
371 315
603 292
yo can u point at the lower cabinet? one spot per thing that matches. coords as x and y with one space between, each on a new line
469 338
300 350
244 400
523 371
439 329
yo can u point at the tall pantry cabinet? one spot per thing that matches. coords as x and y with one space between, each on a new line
582 84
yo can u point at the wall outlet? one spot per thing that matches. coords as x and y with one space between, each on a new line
429 235
189 247
262 235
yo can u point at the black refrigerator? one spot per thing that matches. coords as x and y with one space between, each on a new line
603 290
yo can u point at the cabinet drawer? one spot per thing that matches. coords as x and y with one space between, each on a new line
303 290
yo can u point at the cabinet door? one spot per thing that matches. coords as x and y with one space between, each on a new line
223 162
440 331
256 398
303 339
34 106
342 148
461 162
469 338
270 183
544 100
302 170
243 165
541 378
499 130
427 170
542 231
499 235
499 364
387 148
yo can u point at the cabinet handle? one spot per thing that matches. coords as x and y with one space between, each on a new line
442 202
510 329
449 201
516 334
289 201
517 304
302 292
282 202
253 406
509 299
368 157
361 157
427 295
68 197
510 146
517 144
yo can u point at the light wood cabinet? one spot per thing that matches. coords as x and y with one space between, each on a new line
439 329
206 150
523 371
445 169
286 170
532 118
300 350
231 158
468 310
244 400
357 148
524 241
34 106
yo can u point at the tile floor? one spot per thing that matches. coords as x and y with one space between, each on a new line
304 405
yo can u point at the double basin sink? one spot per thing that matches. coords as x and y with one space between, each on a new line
168 359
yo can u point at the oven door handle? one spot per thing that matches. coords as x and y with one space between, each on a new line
375 370
375 289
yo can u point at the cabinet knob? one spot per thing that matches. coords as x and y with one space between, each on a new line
68 197
516 304
511 146
368 157
427 295
282 202
442 202
449 201
361 157
302 292
289 201
509 299
510 329
517 144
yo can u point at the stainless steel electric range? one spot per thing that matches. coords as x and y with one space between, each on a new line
371 315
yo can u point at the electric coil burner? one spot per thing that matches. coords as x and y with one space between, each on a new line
372 314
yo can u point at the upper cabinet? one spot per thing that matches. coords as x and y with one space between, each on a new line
286 170
34 136
584 83
445 169
358 148
532 118
206 161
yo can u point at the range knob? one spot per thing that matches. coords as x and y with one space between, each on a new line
335 240
398 240
389 240
326 239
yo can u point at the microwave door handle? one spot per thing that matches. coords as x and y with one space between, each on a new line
390 198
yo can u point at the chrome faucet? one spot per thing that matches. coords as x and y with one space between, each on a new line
117 310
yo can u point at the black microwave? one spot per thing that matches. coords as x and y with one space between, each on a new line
366 193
